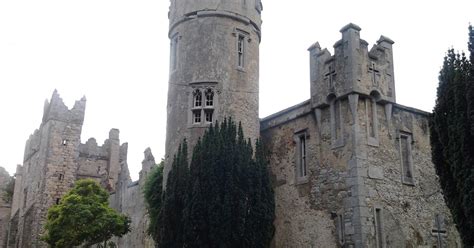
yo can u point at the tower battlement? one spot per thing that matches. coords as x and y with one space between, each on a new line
55 109
247 11
352 69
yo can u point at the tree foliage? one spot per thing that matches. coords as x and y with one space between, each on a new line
8 190
223 199
153 191
83 217
452 138
174 200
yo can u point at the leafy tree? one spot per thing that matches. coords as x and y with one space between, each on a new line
153 193
452 138
83 217
7 194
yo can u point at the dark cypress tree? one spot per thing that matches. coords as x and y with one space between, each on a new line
230 199
174 197
452 139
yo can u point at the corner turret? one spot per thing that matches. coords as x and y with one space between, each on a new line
352 69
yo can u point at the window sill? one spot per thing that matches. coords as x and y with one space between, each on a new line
302 180
408 183
241 69
337 144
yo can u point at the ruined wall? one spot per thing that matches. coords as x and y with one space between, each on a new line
54 159
5 207
129 200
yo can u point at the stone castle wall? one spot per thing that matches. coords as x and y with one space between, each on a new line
313 211
5 207
54 159
129 200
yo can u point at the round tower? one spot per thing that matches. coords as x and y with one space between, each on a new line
214 68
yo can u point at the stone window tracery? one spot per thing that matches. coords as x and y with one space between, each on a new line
197 98
209 98
203 109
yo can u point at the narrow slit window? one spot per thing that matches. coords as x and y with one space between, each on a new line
240 50
337 119
406 160
58 200
64 142
371 117
379 228
174 53
341 229
303 170
61 177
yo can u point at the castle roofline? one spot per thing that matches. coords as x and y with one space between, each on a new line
304 108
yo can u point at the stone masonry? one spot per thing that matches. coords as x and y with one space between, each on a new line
351 167
54 159
214 68
5 207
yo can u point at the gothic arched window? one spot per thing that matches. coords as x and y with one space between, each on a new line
203 109
209 97
197 98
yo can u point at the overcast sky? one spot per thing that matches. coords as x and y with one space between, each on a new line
116 53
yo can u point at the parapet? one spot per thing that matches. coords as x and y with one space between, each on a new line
352 69
57 110
245 11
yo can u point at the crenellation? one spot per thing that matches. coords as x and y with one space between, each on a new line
352 68
376 186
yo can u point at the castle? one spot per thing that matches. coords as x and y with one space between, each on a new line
350 166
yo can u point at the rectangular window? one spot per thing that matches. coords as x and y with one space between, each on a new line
379 228
240 50
174 53
58 200
370 119
337 119
209 116
302 165
61 177
406 159
197 116
301 156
